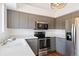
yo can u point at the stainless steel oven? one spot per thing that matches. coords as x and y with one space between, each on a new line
43 43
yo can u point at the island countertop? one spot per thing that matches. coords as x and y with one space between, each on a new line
18 47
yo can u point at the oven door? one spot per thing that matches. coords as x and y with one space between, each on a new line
42 43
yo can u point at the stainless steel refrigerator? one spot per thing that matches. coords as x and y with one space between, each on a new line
71 28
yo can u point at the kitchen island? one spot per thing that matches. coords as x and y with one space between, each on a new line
18 47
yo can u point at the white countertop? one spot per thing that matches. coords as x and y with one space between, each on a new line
18 47
27 37
23 37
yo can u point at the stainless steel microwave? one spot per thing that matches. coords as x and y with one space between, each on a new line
41 25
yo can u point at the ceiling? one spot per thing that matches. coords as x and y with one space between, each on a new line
45 8
40 5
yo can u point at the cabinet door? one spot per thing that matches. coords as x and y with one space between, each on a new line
60 24
26 21
51 23
60 45
53 44
68 24
36 18
23 20
9 19
12 19
43 19
31 21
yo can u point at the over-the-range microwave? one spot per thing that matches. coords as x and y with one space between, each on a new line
41 25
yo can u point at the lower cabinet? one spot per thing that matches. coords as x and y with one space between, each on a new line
52 44
60 45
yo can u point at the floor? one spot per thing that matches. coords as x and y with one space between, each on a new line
54 54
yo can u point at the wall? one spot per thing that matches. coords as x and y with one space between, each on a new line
3 21
27 32
0 17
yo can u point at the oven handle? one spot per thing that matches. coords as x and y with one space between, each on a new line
42 39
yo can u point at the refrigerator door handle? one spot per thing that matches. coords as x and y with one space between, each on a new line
73 37
73 33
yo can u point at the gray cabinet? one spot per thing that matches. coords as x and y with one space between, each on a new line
60 24
43 19
12 19
52 44
51 23
17 19
22 20
9 16
68 24
60 45
65 20
31 21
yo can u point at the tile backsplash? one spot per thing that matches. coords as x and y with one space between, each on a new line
30 32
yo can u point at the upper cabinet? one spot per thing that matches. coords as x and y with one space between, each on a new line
65 21
31 21
51 23
12 19
17 20
22 20
60 23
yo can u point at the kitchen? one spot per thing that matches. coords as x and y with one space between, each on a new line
43 33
